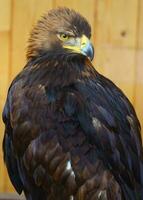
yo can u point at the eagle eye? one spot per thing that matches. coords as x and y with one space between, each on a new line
62 36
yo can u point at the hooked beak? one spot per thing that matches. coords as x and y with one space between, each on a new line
82 46
87 47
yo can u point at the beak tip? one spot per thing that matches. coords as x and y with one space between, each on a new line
88 51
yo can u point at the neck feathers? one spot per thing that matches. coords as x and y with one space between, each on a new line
61 72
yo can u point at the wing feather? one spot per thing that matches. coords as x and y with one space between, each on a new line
9 156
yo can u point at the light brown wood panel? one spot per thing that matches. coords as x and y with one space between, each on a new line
119 67
140 25
25 13
116 22
5 14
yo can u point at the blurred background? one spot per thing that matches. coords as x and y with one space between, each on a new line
117 28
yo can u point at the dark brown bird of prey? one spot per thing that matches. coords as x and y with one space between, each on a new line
70 133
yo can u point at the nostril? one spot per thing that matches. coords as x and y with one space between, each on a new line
83 44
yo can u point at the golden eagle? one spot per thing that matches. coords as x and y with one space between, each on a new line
70 133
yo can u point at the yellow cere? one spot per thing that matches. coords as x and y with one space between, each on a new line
84 41
78 47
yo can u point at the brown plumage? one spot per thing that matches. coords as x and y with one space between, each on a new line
59 20
70 133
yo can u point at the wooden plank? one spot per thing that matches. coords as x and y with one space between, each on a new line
25 13
116 22
118 66
140 24
4 73
5 8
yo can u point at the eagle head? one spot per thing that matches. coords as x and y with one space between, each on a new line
61 32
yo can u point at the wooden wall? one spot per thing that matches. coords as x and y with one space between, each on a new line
117 35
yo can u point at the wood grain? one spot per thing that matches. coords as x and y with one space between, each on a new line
24 15
140 25
5 14
116 22
118 65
